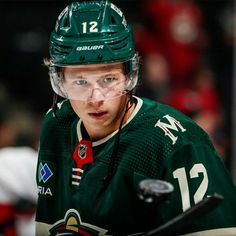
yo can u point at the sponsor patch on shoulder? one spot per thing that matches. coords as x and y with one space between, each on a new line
46 178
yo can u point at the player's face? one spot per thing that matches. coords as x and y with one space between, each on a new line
100 116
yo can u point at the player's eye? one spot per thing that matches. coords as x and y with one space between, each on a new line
108 79
80 82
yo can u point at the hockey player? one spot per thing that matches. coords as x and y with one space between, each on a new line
101 140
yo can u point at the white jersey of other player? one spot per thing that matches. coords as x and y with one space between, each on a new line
17 181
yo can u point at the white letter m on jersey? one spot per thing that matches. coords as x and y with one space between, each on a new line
173 125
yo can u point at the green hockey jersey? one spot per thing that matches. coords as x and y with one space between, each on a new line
157 142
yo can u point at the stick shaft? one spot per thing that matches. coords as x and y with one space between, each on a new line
201 208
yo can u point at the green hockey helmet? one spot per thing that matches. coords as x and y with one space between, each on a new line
92 32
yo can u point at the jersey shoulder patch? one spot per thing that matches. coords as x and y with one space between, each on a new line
169 124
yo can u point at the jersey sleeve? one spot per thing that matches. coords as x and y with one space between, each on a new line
196 171
55 138
46 173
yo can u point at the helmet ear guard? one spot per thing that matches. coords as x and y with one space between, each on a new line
133 72
56 77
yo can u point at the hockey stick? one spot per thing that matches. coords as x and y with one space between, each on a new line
201 208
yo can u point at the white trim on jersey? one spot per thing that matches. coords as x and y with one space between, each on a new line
76 178
42 229
78 169
215 232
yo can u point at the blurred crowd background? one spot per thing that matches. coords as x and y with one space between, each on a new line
187 50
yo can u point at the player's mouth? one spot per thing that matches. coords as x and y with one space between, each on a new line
98 115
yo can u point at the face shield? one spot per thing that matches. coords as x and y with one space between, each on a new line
71 83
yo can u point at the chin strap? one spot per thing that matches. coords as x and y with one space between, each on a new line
54 104
114 157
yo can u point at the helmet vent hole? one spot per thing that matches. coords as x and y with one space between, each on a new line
110 33
65 21
82 58
100 57
113 21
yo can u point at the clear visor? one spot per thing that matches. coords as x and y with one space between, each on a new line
89 84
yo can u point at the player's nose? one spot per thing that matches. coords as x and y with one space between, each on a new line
96 95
